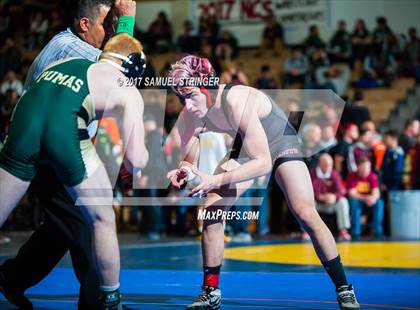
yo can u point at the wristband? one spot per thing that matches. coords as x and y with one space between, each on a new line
190 174
125 24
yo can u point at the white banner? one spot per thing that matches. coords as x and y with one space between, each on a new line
242 16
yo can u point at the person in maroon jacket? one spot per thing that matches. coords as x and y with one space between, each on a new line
330 194
364 195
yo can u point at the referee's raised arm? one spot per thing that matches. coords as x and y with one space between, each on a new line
95 21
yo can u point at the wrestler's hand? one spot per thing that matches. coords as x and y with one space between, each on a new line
178 177
125 7
207 182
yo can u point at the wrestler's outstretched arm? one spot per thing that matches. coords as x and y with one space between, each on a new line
187 129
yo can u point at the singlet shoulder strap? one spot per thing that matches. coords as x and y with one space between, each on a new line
223 103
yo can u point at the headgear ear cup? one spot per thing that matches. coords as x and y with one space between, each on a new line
133 65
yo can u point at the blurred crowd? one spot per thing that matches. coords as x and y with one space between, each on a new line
351 176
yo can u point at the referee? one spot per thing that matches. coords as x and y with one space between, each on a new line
64 227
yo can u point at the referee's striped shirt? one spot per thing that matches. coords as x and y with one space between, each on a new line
63 45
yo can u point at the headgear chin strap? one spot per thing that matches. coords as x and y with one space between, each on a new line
133 65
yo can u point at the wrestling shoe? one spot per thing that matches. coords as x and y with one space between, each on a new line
14 297
210 298
111 300
346 298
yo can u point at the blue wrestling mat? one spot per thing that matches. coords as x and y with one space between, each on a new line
172 284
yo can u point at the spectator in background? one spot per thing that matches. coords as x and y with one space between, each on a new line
11 82
37 31
233 75
206 51
357 112
187 42
160 32
152 179
379 68
295 68
393 163
227 46
378 146
411 131
361 149
272 37
266 79
312 135
364 195
6 109
411 178
209 29
55 25
341 151
10 56
340 45
334 77
410 63
360 40
382 35
330 194
4 22
328 139
313 40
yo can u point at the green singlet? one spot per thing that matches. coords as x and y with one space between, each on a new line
49 126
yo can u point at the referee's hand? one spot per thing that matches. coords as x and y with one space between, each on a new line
125 7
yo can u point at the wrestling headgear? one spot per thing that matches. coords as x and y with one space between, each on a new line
133 65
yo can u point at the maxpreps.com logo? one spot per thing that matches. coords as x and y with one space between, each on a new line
221 215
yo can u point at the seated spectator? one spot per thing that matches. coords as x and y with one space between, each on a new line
4 22
328 139
378 146
362 148
319 58
340 45
233 75
360 40
37 31
11 82
227 46
10 56
209 29
187 42
6 110
206 50
313 40
161 33
335 77
364 195
382 35
311 135
410 62
411 131
152 178
266 79
330 194
411 177
295 68
272 37
356 112
379 68
340 152
393 163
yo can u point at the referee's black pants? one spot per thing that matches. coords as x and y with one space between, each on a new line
64 229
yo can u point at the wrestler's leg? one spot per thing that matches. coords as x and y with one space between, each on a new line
213 231
96 204
11 191
293 178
